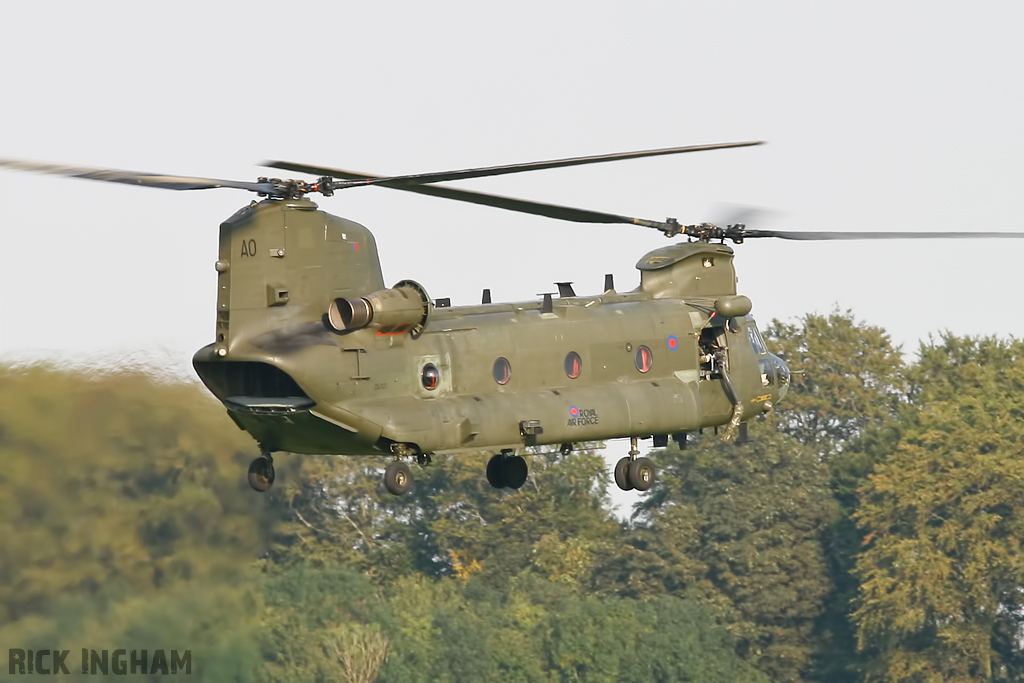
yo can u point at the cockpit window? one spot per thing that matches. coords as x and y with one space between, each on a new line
781 369
756 340
767 371
783 374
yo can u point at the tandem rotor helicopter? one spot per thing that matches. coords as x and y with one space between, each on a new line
314 354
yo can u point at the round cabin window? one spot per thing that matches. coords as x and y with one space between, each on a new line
573 365
644 359
502 371
431 376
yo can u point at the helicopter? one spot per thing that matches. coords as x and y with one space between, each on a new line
313 354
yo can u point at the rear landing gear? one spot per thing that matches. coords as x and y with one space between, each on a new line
633 473
397 475
261 472
397 478
507 471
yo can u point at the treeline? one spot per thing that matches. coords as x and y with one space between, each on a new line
869 530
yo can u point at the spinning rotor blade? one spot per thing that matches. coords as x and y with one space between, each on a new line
735 230
808 236
403 181
565 213
166 182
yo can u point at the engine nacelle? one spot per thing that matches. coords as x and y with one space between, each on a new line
404 307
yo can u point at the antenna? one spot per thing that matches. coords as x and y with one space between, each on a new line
565 289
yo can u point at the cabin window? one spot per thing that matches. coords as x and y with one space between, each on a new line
573 365
767 374
431 376
644 359
502 371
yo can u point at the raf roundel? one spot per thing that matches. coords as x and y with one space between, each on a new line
672 342
574 411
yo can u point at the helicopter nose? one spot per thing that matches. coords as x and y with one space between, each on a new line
783 375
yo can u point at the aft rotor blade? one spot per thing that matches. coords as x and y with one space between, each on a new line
565 213
403 181
818 236
166 182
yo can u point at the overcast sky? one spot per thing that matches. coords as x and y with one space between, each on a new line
878 116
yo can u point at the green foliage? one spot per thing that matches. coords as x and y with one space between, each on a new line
124 520
540 630
740 528
533 629
847 402
848 384
452 522
128 524
314 616
942 574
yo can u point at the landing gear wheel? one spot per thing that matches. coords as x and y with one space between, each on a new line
565 448
641 474
495 470
397 478
506 471
261 473
514 471
621 473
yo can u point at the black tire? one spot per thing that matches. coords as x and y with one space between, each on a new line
641 474
397 478
514 471
621 474
261 474
495 472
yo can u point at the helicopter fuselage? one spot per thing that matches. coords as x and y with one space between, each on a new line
678 354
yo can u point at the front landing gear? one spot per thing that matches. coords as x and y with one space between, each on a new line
261 472
507 471
633 473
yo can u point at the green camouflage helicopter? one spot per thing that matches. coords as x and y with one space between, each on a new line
314 354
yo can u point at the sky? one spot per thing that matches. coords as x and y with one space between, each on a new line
878 116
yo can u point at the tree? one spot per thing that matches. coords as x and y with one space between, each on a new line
453 521
556 525
321 624
848 394
125 517
942 573
740 528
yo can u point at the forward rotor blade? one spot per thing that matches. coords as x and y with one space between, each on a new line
818 236
166 182
403 181
565 213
